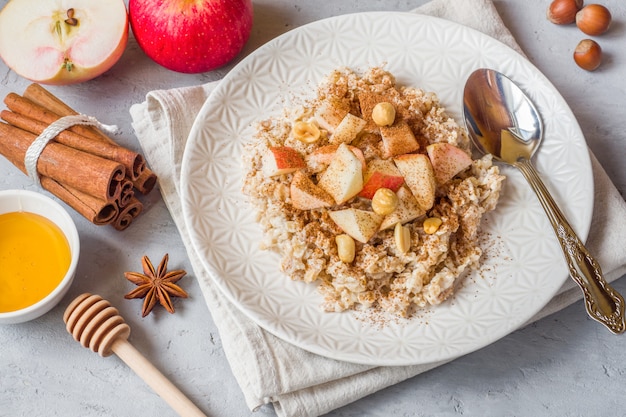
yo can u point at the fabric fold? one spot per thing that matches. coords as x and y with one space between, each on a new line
270 370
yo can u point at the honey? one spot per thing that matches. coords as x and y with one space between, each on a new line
34 258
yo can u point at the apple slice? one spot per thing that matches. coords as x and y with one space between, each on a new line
447 160
330 113
380 173
398 139
305 195
348 128
325 154
280 160
408 209
419 177
360 224
54 42
343 179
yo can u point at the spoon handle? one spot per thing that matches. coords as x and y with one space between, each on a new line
602 302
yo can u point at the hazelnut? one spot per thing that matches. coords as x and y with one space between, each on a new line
384 201
588 54
563 12
593 19
384 114
305 132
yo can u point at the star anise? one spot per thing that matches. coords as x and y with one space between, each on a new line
155 285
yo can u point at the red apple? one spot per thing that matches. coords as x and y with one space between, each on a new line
191 36
54 42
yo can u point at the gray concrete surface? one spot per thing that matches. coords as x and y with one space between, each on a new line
564 365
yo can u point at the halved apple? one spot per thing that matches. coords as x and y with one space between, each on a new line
360 224
305 195
62 42
447 160
408 209
419 177
343 179
380 173
280 160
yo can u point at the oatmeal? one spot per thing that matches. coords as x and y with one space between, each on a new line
370 191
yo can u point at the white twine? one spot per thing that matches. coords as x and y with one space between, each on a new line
36 148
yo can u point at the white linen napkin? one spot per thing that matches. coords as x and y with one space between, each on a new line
270 370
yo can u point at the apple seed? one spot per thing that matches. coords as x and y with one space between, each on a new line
71 20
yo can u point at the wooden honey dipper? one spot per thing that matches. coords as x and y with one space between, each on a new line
97 325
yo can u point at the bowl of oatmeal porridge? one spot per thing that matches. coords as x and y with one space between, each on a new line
486 281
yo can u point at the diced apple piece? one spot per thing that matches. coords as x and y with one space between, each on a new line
408 209
305 195
380 173
280 160
325 154
360 224
343 179
398 139
330 113
447 161
347 130
419 176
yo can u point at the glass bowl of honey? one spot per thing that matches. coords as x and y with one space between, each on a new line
39 249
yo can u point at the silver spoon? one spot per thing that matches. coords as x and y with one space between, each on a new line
503 121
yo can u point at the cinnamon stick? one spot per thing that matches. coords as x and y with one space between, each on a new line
128 214
126 194
90 174
145 182
132 161
97 211
28 108
42 97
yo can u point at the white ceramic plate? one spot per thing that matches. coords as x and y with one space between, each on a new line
523 267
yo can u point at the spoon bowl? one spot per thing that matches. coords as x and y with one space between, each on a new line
502 121
500 118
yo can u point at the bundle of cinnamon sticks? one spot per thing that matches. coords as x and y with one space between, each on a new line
82 165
